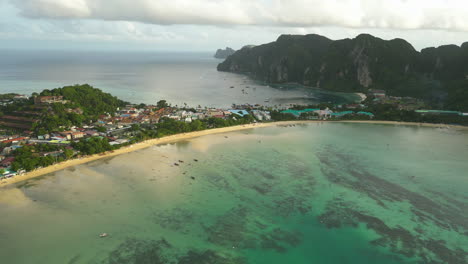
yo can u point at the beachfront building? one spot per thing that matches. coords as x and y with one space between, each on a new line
261 115
198 116
369 114
341 114
240 112
377 93
324 114
438 112
215 113
319 114
298 113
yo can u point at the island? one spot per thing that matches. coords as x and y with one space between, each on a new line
62 127
439 76
224 53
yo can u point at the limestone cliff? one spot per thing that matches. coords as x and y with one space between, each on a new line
357 64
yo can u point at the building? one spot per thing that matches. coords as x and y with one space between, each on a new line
240 113
57 153
78 135
66 134
377 93
340 114
72 134
42 137
297 113
353 106
15 140
7 162
215 113
38 100
91 133
369 114
20 97
324 114
261 115
438 112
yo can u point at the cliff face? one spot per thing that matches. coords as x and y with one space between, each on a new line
358 64
224 53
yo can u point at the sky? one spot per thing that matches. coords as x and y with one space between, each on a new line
205 25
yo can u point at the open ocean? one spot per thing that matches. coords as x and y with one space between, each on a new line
331 193
148 77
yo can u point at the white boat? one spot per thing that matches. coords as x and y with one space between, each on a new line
103 235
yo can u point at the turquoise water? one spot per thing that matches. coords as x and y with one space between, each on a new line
318 193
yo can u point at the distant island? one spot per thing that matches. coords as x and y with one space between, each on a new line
438 76
224 53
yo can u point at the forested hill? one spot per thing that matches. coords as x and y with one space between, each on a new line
91 100
439 75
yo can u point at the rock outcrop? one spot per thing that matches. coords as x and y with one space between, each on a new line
224 53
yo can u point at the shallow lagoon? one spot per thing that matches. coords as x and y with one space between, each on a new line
318 193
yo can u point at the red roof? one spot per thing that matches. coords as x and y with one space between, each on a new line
14 139
7 161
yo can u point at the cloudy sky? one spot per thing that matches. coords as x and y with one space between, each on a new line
204 25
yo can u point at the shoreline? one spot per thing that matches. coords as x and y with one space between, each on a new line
178 137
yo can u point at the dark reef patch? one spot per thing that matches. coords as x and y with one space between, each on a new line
230 229
208 257
234 229
74 259
262 188
220 182
398 239
291 205
134 251
176 219
358 179
279 240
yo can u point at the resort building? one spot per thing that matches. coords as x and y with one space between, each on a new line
377 93
240 113
49 100
261 115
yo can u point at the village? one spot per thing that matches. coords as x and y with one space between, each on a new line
117 128
123 126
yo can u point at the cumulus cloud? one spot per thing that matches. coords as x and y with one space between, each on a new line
394 14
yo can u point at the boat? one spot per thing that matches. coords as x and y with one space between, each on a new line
103 235
267 100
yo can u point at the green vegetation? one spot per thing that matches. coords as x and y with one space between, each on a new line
94 145
92 101
7 96
84 105
29 157
56 117
170 127
162 104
